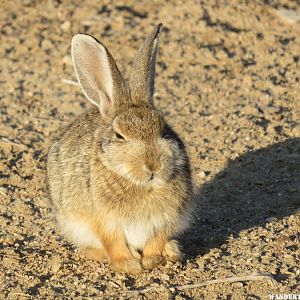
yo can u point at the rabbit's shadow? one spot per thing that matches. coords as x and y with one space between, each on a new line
254 187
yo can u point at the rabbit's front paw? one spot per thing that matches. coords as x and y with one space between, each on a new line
172 251
97 254
132 266
149 262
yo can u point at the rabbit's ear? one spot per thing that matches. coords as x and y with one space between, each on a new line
97 73
143 69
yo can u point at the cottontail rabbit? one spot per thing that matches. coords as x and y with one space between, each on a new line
118 176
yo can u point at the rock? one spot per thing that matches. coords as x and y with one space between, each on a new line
65 26
271 219
67 60
288 15
201 174
7 240
55 264
165 276
297 212
46 44
249 110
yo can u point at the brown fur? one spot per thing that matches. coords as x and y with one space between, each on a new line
112 196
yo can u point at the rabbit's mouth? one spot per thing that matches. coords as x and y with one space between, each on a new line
142 176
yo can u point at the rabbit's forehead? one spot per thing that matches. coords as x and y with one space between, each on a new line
139 123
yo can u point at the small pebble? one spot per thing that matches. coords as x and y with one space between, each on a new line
65 26
55 264
46 44
165 276
67 60
202 174
271 219
291 16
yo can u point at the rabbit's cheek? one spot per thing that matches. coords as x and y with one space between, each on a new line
178 159
128 166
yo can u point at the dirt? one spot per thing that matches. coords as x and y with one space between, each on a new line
227 81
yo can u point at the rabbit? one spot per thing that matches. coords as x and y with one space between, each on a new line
118 176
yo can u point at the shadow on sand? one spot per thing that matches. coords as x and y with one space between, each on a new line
254 187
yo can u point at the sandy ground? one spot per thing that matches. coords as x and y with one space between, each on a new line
227 81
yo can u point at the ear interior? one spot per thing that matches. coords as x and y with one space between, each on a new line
92 67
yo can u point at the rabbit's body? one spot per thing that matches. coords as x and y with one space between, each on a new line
139 210
119 179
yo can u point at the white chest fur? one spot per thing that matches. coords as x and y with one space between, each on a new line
138 233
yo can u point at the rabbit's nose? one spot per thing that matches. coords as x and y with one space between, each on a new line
153 167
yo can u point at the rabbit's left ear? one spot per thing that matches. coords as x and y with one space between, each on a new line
143 69
98 74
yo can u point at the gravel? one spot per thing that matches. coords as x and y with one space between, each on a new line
227 81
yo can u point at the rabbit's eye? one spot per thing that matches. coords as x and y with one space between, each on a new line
165 135
119 136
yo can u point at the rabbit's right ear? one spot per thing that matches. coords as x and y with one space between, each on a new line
143 69
97 73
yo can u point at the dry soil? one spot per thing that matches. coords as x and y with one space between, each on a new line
227 81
